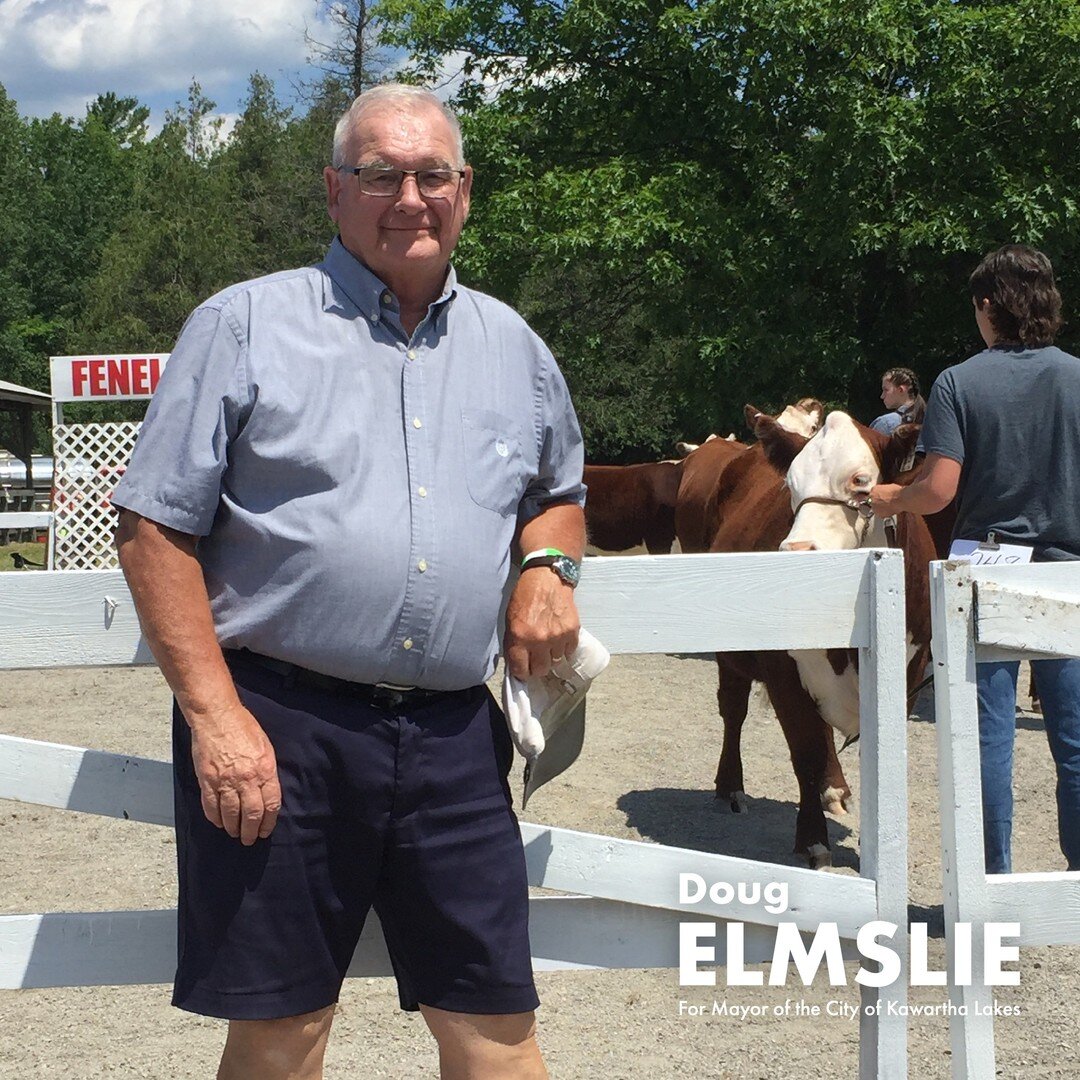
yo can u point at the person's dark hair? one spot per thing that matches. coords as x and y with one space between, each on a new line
915 409
1025 305
903 376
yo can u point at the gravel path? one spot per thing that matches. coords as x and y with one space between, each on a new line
646 773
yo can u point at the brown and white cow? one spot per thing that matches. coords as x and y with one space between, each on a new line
684 448
815 690
751 508
628 505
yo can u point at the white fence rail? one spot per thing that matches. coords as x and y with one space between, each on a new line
992 613
630 912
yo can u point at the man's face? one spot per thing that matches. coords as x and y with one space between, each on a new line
406 239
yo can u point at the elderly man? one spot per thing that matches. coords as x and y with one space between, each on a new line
1000 430
317 528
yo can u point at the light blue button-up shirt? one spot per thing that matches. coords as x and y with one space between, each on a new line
356 491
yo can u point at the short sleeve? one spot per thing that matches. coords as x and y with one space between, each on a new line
562 455
887 423
176 469
942 430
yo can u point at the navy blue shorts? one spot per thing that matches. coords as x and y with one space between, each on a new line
409 814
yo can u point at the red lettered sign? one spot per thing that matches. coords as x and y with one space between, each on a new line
105 378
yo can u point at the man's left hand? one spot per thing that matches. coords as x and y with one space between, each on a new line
541 623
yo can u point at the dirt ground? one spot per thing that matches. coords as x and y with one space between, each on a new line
646 773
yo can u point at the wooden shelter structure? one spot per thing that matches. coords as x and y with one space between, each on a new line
18 520
17 405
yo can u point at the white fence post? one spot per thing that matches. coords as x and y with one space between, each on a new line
963 876
883 806
991 613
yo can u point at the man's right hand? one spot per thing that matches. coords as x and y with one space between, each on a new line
237 772
234 761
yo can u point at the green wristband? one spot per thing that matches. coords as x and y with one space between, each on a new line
542 553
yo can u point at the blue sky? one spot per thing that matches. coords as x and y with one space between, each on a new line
57 55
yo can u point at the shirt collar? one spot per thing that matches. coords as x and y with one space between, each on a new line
366 291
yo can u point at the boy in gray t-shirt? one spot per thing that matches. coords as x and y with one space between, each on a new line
1002 434
1010 416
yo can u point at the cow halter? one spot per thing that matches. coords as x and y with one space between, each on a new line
863 507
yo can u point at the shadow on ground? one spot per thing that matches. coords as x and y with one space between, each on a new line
695 819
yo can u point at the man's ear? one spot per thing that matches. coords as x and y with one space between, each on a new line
332 179
898 451
466 192
781 446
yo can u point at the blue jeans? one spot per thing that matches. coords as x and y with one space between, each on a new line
1058 683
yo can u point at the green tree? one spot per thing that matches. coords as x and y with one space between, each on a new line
352 57
181 239
759 198
63 187
276 162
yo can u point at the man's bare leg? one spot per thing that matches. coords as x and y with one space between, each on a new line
288 1049
478 1047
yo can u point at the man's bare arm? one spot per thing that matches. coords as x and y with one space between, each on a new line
233 758
932 490
541 619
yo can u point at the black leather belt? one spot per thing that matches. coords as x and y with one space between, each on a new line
387 698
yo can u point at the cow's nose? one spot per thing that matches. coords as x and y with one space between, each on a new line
798 545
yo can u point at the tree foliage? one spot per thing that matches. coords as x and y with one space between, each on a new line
352 58
697 203
755 199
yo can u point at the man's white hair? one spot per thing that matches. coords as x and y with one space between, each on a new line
392 95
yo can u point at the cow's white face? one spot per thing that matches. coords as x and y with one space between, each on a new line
800 422
837 463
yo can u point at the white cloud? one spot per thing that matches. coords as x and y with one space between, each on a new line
55 52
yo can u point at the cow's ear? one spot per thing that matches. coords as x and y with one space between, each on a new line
898 454
781 446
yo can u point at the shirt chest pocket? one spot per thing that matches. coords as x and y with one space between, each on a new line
494 461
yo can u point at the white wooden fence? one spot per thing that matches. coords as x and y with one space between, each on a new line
627 910
19 520
992 613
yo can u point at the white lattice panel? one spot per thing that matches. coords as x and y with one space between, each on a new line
89 460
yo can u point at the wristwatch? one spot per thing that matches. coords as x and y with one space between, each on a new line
569 570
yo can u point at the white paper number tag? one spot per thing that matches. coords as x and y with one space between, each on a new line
990 555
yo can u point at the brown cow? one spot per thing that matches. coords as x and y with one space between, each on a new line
700 473
810 690
695 520
627 505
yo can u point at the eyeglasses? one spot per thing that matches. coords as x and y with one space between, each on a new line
433 183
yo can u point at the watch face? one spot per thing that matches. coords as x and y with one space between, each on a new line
567 569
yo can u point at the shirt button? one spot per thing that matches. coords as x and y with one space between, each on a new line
422 565
501 448
386 298
422 492
416 422
411 354
407 643
374 316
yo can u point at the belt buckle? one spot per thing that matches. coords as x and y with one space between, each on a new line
388 697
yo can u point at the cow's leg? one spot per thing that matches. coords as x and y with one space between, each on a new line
835 792
809 739
1036 701
733 699
659 533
